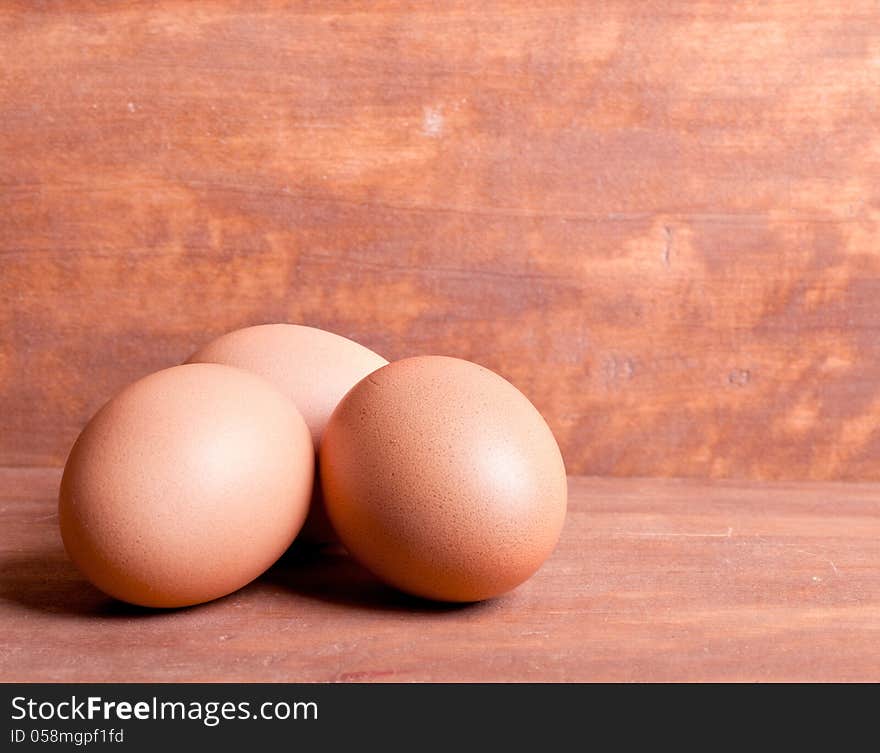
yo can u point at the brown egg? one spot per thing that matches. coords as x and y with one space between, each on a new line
312 367
186 486
442 479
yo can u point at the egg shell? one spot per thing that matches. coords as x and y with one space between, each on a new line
314 368
443 479
186 486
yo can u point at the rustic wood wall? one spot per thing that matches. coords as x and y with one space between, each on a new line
661 220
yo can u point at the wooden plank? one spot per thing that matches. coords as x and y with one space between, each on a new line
653 580
659 219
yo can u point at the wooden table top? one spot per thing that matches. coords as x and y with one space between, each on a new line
652 580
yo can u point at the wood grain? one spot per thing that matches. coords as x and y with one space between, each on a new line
661 220
652 580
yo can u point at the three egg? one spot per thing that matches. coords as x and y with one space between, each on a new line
436 474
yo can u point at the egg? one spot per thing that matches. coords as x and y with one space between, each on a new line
186 486
442 478
314 368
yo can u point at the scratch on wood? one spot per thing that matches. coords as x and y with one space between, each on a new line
370 674
827 559
667 245
670 535
432 123
821 556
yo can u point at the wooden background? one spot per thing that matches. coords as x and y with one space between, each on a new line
661 220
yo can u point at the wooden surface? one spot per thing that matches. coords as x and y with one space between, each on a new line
653 580
661 220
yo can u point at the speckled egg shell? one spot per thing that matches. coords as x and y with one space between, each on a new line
186 486
443 479
312 367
